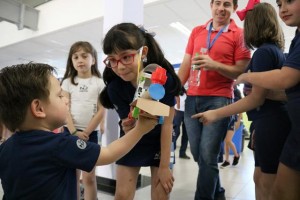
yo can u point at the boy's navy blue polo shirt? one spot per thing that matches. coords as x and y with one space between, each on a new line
42 165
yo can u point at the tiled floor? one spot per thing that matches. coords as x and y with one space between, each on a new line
237 181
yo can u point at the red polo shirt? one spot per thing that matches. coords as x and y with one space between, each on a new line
227 49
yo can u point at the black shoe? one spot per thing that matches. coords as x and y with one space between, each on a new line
220 195
236 160
225 164
184 156
220 159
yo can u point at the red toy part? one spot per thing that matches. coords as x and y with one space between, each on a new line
159 76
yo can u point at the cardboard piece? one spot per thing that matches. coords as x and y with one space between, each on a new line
152 107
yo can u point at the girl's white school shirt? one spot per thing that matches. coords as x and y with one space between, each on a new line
83 99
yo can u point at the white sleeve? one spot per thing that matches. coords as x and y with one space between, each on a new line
66 85
101 85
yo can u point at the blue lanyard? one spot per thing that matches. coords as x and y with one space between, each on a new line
210 44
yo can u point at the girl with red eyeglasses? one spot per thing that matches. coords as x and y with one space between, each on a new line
129 49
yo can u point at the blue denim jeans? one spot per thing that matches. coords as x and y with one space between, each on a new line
177 123
205 143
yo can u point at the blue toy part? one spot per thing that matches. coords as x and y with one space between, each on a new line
156 91
161 120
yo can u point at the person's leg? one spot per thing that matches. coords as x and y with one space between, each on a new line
287 184
126 182
211 139
266 184
256 179
227 143
205 144
157 190
270 136
176 126
90 185
184 138
193 128
230 145
78 173
89 178
221 153
263 183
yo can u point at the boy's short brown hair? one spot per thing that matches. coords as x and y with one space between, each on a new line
19 86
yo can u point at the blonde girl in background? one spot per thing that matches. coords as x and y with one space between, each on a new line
82 85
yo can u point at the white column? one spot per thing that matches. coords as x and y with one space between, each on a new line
117 11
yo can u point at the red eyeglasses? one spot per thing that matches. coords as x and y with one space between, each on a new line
125 59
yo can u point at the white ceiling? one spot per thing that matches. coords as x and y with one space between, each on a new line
53 48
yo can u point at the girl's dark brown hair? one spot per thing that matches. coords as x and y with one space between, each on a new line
126 36
261 25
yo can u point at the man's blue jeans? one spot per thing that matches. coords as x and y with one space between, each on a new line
205 143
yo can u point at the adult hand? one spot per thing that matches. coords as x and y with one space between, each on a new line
205 62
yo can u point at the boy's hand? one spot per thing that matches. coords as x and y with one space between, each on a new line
145 124
82 135
206 117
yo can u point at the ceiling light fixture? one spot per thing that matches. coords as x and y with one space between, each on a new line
180 27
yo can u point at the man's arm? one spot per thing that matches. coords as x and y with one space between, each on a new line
229 71
232 72
184 70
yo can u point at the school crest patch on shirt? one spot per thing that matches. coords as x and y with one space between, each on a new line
81 144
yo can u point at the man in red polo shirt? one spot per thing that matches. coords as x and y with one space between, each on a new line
218 51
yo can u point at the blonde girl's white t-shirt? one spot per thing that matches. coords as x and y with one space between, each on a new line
182 102
83 99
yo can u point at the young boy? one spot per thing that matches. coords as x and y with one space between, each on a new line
34 162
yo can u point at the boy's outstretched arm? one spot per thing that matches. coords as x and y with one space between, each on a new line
123 145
